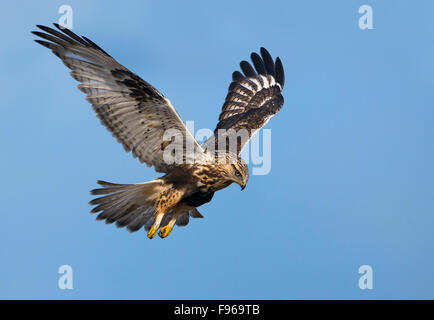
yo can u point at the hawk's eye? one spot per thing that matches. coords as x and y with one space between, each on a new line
238 174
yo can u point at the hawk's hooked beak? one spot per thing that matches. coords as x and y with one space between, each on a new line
242 184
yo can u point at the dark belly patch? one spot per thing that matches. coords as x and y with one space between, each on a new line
198 198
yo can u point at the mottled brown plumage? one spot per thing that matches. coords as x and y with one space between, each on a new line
173 197
140 117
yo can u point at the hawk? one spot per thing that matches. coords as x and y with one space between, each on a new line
139 116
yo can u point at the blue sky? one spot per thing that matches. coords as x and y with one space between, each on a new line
352 178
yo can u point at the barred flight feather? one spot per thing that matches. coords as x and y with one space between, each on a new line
134 111
253 98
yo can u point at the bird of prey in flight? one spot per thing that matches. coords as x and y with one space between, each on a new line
140 117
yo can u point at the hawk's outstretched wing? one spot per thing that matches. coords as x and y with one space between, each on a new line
252 100
134 112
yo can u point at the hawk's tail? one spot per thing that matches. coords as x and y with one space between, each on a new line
130 205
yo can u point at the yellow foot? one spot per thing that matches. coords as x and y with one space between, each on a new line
152 232
165 231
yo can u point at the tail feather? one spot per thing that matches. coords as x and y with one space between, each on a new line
108 187
183 220
119 216
130 205
111 184
139 219
149 223
194 213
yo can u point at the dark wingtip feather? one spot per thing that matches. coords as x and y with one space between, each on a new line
100 216
48 37
93 44
258 63
46 44
36 33
61 28
71 34
55 33
40 26
268 60
247 69
94 201
95 210
237 76
264 51
280 74
98 191
103 183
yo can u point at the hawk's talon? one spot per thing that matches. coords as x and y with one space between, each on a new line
165 231
152 232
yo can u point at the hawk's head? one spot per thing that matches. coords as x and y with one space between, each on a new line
233 169
240 173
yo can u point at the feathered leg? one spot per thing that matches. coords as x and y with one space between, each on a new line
153 231
166 201
167 229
